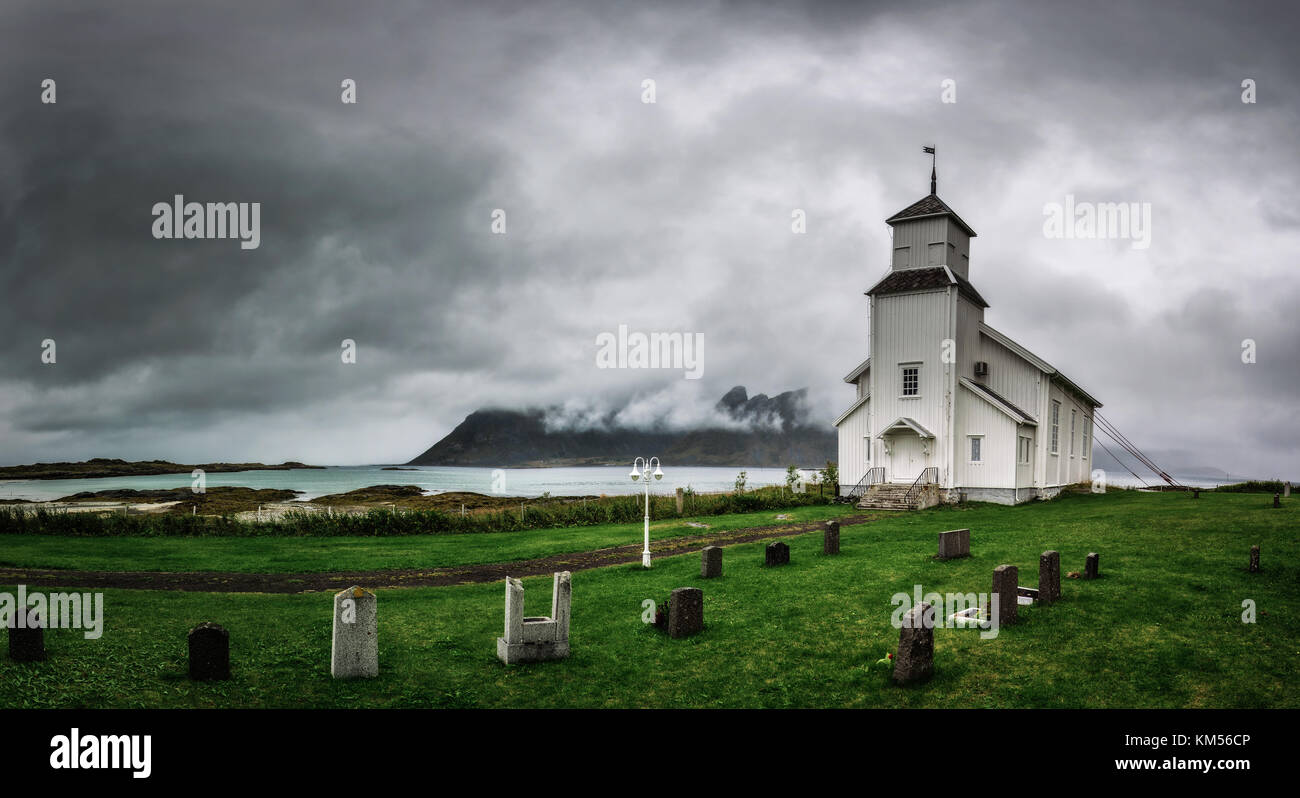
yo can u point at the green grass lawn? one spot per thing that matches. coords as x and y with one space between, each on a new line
1161 628
316 555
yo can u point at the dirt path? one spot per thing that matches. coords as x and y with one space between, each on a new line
229 582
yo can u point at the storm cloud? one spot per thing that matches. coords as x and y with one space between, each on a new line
673 216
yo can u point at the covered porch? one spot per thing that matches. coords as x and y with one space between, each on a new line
908 451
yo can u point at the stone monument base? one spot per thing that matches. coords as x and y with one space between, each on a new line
540 651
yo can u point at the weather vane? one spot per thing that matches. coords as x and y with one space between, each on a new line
934 175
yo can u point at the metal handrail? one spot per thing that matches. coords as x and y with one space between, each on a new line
916 486
874 476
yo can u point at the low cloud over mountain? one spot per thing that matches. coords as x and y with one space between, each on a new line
738 430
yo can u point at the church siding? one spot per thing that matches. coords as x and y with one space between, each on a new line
853 444
1009 375
1062 469
996 468
910 328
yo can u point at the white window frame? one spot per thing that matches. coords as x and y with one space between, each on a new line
1074 422
1056 428
902 380
1085 450
1024 445
867 436
970 449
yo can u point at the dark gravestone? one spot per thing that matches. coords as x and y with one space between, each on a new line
1049 577
711 562
26 644
831 538
1277 500
1196 494
1254 559
914 661
954 544
1091 567
685 612
209 652
1006 579
777 554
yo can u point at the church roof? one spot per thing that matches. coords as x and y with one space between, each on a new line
858 403
908 424
858 372
999 401
1037 362
930 206
904 280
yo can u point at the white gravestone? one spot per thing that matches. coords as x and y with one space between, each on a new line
355 650
539 638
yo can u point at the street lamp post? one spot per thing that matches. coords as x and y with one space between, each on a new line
638 473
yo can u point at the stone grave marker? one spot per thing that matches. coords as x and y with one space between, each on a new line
1006 586
777 553
685 612
831 538
1049 577
914 661
953 544
540 638
711 562
26 635
209 645
1254 559
1091 567
354 652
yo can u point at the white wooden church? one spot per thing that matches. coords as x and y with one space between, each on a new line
947 407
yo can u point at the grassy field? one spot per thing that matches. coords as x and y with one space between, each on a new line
1161 628
315 555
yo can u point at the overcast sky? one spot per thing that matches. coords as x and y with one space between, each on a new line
667 216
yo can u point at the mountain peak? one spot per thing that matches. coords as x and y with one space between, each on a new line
733 399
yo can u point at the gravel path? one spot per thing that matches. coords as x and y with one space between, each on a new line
233 582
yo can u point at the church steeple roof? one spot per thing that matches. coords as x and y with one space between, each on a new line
930 206
907 280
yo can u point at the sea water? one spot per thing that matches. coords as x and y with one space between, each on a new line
314 482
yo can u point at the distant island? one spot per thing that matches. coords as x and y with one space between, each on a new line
762 431
104 467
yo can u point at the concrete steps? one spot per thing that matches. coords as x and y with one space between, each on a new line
893 496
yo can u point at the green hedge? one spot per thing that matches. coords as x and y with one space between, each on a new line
1253 486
